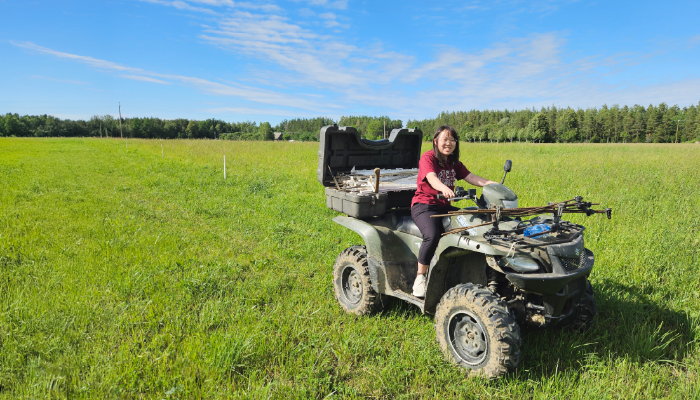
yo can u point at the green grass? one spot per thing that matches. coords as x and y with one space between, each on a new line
124 274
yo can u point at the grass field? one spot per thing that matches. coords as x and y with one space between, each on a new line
126 274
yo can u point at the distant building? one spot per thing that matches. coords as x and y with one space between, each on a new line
278 135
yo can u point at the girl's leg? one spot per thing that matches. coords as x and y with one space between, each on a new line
422 268
431 229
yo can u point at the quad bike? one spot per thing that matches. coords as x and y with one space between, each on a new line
493 273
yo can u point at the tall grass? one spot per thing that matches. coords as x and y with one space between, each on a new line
124 274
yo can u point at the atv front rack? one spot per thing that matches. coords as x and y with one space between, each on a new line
515 240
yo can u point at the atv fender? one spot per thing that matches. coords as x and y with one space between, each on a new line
459 260
368 233
389 256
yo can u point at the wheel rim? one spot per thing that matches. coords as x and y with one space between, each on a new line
468 337
352 285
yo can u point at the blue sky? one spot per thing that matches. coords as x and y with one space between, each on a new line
275 60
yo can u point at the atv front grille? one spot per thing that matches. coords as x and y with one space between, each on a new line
572 264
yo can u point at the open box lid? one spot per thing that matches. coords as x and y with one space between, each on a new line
341 148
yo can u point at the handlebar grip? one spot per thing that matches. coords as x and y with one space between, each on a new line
440 196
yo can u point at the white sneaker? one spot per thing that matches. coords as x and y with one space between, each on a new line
419 286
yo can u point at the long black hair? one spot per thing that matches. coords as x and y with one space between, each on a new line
446 161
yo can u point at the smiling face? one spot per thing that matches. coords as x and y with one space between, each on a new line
445 143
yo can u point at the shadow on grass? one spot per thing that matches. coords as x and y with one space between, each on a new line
628 327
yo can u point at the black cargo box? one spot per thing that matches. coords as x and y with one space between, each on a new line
342 150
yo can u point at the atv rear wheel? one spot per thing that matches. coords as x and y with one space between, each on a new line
476 331
352 284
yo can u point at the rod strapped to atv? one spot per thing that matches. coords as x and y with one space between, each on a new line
575 205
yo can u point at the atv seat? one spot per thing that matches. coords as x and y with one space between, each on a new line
406 225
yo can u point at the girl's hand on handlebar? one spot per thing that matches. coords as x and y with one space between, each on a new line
447 193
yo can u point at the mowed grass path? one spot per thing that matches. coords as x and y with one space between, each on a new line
125 274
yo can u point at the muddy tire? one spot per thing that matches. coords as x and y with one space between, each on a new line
586 310
476 331
352 284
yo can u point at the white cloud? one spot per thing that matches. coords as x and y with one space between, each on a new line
216 3
340 4
181 5
145 79
215 88
277 40
254 111
306 13
694 40
239 4
526 72
94 62
331 20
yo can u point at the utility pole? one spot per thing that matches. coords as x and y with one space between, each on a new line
100 128
385 129
120 120
678 121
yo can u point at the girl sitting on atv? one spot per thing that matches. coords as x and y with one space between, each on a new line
438 170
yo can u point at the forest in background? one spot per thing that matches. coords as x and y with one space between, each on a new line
614 124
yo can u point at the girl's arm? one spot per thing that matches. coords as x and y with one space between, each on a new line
435 183
475 180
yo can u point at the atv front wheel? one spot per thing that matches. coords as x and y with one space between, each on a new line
585 310
352 284
476 331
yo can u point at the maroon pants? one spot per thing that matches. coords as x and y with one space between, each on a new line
431 228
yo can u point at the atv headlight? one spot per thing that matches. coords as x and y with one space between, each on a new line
522 264
510 203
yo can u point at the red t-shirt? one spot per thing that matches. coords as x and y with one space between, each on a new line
448 176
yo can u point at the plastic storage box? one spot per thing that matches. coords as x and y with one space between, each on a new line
342 151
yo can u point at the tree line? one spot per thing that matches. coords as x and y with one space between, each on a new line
301 129
614 124
108 126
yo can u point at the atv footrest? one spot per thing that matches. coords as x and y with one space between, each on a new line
409 298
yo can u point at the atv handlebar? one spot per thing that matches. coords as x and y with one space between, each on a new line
460 194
